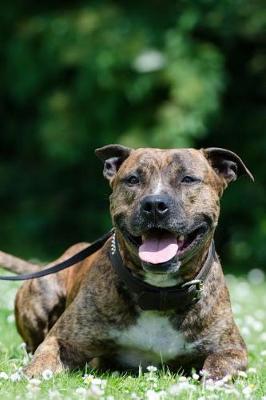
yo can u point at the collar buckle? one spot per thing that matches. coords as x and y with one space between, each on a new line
198 283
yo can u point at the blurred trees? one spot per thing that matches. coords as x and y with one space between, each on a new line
165 74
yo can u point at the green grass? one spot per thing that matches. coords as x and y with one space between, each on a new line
249 304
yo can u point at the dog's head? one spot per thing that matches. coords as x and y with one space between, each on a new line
165 203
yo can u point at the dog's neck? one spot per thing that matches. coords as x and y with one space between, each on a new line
187 271
162 280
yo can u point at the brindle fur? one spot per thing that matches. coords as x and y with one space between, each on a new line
66 319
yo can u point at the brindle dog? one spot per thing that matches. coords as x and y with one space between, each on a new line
165 208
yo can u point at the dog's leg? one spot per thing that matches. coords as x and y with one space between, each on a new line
229 362
58 355
47 356
39 303
78 336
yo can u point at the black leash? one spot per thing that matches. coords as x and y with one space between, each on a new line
64 264
149 297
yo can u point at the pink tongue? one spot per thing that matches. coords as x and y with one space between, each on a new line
156 250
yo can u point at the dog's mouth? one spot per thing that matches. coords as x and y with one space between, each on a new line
159 247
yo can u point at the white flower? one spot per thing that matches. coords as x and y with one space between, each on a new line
32 389
232 391
134 396
22 346
174 389
98 381
47 374
243 290
242 374
257 325
35 382
15 377
195 376
252 371
152 395
212 385
81 391
256 276
151 368
263 353
96 390
227 378
53 394
263 336
10 319
245 331
88 378
247 391
182 379
25 360
180 387
204 373
3 375
237 308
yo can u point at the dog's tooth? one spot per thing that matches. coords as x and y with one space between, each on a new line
181 238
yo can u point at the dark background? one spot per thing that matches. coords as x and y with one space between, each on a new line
160 73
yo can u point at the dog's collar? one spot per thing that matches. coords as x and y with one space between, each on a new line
149 297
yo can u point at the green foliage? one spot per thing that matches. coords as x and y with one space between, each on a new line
167 74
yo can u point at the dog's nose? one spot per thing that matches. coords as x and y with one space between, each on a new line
156 205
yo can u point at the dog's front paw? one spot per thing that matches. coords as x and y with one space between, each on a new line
46 357
216 377
223 365
41 367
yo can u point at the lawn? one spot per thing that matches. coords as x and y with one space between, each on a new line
249 305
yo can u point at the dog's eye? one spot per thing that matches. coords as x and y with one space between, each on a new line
132 180
190 179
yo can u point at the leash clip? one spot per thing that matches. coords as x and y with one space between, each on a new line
199 287
197 282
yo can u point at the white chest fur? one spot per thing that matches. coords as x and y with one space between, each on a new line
151 340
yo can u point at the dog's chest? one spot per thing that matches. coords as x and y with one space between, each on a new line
151 340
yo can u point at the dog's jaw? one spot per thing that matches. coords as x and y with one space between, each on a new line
186 272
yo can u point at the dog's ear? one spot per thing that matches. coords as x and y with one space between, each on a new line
226 164
112 156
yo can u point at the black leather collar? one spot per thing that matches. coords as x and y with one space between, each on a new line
149 297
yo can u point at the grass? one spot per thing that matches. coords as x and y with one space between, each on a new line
249 305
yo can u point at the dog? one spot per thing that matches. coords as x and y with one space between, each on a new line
155 292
